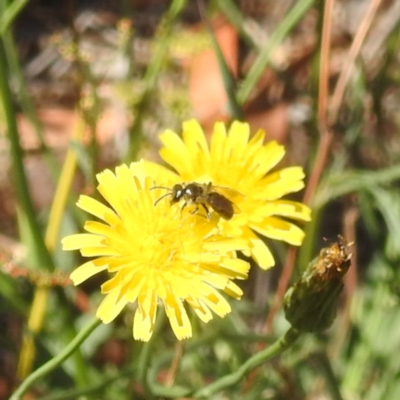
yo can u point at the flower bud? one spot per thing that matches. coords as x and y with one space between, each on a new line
311 303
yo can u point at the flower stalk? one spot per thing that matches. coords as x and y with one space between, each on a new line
52 364
276 349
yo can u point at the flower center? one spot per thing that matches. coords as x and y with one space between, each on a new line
160 250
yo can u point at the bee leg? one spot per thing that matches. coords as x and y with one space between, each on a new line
207 211
195 211
192 212
183 207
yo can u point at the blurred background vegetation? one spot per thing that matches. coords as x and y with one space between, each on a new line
87 85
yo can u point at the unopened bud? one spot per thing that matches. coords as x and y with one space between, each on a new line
311 303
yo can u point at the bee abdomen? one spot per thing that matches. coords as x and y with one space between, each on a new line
221 205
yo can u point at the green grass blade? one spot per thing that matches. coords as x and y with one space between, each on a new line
346 182
10 13
264 58
230 9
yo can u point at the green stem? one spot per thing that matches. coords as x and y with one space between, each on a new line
258 359
28 110
43 257
24 99
57 360
78 393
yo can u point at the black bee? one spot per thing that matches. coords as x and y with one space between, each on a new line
204 195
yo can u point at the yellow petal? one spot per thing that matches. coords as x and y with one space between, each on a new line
217 281
145 316
193 137
81 240
237 268
201 310
257 140
259 251
178 317
85 271
103 230
109 308
235 143
130 184
97 209
156 172
117 263
280 183
134 288
285 208
99 251
116 282
225 245
276 228
273 152
107 178
232 268
217 303
217 144
233 290
118 190
176 154
195 257
238 134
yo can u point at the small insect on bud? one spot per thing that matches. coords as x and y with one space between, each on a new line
311 303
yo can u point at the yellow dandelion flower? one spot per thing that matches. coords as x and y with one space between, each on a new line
154 254
233 161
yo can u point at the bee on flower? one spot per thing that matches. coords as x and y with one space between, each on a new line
243 165
203 195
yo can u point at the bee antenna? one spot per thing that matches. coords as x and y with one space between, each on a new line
161 187
158 200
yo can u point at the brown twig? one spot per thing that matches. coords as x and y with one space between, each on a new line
326 139
170 379
326 135
281 289
354 51
323 83
319 164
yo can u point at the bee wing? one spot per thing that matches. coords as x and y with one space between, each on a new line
231 194
236 208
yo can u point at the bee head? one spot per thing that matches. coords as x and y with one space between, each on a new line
176 193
